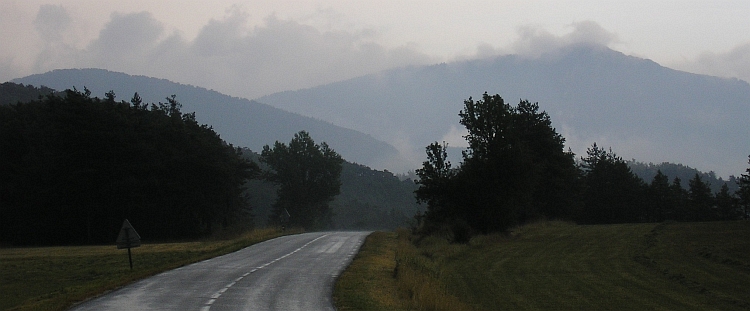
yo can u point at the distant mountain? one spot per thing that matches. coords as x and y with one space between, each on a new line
593 94
239 121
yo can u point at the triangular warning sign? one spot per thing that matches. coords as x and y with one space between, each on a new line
128 237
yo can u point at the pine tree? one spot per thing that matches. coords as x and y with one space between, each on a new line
726 204
660 200
612 193
744 192
701 200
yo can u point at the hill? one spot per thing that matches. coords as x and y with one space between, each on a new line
239 121
593 94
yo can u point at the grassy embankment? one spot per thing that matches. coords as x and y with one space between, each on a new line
556 266
54 278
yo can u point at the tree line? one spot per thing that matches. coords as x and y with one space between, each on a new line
74 166
516 170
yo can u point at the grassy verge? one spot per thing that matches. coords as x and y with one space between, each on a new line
388 273
561 266
54 278
368 283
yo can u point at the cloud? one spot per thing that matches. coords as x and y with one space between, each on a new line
734 63
126 34
455 137
534 41
52 21
228 55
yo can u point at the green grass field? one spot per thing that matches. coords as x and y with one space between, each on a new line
561 266
54 278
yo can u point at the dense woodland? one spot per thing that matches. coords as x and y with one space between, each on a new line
74 166
516 170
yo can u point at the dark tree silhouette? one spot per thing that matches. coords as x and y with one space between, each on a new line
701 200
74 167
613 194
744 192
514 170
308 176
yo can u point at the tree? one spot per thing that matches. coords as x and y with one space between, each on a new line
744 192
514 170
726 204
660 198
701 200
680 198
435 177
308 176
612 193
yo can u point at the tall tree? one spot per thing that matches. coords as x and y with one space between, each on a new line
701 200
612 194
744 192
661 203
435 178
515 168
308 176
681 201
726 204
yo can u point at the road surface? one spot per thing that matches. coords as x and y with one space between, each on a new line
289 273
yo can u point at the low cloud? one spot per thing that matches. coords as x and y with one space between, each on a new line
734 63
227 55
534 41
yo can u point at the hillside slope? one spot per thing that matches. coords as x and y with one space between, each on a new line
239 121
593 94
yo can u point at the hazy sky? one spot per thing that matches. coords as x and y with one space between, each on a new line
254 48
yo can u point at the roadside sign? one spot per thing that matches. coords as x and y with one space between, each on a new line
128 238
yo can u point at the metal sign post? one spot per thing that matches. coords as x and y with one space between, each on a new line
128 238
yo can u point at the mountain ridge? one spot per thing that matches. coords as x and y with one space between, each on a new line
593 94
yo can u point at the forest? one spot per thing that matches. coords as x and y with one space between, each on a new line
74 166
516 170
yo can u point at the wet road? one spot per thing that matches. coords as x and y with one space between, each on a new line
288 273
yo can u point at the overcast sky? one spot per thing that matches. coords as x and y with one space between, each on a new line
255 48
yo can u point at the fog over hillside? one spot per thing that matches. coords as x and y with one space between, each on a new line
592 93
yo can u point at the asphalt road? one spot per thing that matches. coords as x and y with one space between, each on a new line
288 273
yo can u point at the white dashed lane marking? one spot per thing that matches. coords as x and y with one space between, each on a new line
207 305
